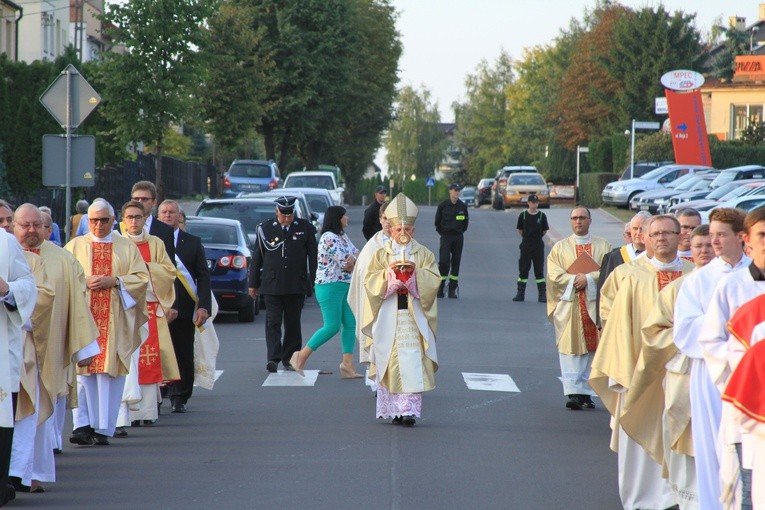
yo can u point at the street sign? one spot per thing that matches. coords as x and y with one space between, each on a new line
83 161
682 79
430 182
646 125
84 98
660 106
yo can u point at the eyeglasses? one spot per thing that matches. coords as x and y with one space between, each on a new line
663 233
25 226
579 218
102 221
142 199
134 217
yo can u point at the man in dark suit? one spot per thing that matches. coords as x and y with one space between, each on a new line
283 270
146 193
371 223
192 305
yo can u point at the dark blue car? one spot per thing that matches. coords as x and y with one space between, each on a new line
228 254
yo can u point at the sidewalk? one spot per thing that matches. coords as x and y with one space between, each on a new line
603 225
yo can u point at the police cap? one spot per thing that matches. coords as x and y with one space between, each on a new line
285 204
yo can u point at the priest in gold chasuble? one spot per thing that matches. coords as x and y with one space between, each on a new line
636 402
571 306
155 361
116 278
401 283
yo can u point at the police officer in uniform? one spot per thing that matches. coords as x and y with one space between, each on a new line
532 226
451 223
283 270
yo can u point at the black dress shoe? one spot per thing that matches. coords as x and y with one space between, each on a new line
397 420
120 432
408 421
10 494
179 407
587 402
135 423
288 367
149 423
15 482
101 439
574 403
271 366
57 451
82 436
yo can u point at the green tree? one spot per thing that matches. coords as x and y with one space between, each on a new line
482 120
754 133
654 147
154 82
644 45
415 143
735 43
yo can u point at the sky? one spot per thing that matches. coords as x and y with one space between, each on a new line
445 40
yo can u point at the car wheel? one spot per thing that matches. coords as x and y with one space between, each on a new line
247 314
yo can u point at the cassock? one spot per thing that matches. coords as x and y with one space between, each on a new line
572 312
119 313
659 358
635 403
16 308
706 407
611 260
744 388
402 339
155 361
731 292
357 296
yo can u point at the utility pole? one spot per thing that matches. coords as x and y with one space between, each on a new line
79 28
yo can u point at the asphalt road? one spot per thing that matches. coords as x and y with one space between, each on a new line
245 446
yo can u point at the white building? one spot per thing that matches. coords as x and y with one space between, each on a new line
43 30
85 28
10 13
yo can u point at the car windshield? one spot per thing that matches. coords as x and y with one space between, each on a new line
736 192
318 203
212 233
654 174
683 183
526 180
724 178
722 190
309 181
700 185
249 170
249 214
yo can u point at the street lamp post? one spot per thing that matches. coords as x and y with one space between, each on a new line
579 150
632 150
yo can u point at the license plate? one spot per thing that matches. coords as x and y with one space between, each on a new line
254 187
644 207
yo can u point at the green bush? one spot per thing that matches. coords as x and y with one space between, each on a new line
591 186
620 146
600 155
728 154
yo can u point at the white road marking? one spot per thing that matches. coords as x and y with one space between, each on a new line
289 378
490 382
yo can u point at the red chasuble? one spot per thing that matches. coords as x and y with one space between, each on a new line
589 328
100 302
149 363
744 389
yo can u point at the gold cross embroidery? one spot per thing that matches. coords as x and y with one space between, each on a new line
148 356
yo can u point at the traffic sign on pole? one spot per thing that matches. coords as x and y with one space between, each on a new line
83 161
84 98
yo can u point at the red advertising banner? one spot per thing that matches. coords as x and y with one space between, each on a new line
689 128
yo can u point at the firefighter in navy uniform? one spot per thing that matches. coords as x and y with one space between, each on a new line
451 223
532 226
283 270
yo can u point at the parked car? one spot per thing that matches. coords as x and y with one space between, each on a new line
500 181
619 193
483 192
468 194
318 199
642 168
227 250
250 175
519 186
687 200
738 173
249 211
745 203
316 179
313 216
653 200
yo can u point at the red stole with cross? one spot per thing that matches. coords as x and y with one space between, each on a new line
101 302
149 362
664 278
589 328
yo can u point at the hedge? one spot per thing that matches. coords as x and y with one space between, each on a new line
591 186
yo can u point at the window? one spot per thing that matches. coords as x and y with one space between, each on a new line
744 115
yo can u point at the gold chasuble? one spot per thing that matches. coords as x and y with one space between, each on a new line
156 359
34 340
385 340
611 285
636 403
72 327
660 357
119 320
573 312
